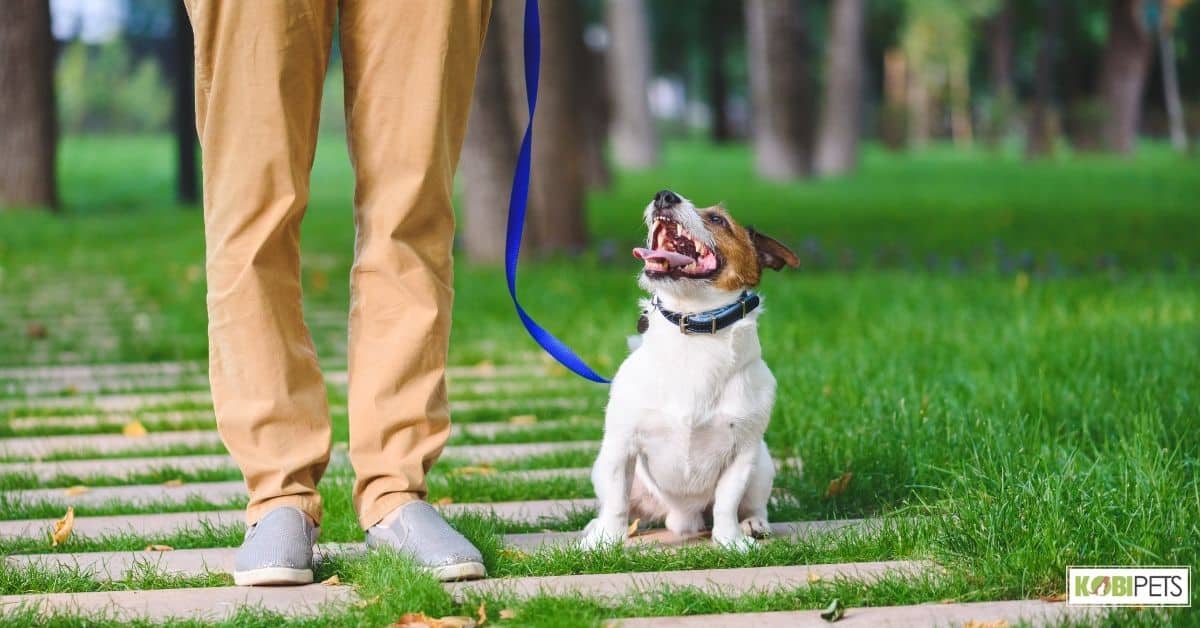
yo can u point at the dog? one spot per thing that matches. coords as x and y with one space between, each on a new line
684 425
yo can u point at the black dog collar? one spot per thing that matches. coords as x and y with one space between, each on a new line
710 321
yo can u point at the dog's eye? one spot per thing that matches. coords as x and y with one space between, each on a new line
716 219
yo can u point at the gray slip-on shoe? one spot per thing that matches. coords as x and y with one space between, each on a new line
421 533
277 550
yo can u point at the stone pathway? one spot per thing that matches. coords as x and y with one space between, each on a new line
87 406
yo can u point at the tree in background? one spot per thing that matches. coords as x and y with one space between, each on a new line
1123 73
777 52
1001 58
490 151
635 140
839 128
28 129
1170 73
556 188
936 40
1040 131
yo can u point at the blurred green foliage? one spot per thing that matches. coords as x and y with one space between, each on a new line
100 88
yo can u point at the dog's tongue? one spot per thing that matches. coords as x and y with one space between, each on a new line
673 259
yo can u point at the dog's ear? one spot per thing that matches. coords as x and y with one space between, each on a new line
772 253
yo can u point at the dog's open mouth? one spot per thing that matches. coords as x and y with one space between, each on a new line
674 252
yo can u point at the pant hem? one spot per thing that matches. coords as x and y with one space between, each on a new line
384 505
311 506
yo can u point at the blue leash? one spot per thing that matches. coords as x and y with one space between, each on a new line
519 198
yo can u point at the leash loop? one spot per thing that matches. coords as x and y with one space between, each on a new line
518 201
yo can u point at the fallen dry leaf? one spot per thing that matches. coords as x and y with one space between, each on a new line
414 620
173 483
523 419
37 331
987 623
134 429
332 581
466 471
421 620
508 613
63 527
838 486
633 528
1057 597
155 547
814 577
76 490
445 501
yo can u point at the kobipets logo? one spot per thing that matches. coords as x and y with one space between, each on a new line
1129 586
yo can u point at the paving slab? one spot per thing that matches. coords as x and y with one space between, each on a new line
113 421
206 604
531 511
137 494
196 562
511 381
114 370
41 446
213 492
167 523
478 454
110 403
141 525
202 398
1035 612
118 467
726 581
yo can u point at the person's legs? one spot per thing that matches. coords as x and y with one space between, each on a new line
410 71
259 70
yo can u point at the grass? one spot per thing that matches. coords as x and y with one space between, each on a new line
1006 352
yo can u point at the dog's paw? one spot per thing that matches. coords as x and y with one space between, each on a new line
734 540
596 535
756 527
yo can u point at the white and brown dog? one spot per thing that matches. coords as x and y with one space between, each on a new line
683 431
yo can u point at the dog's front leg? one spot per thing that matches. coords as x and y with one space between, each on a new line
612 478
727 531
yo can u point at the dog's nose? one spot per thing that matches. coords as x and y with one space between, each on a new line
665 199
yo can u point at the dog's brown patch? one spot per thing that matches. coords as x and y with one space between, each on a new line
745 252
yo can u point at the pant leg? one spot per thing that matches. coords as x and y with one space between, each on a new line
410 70
260 65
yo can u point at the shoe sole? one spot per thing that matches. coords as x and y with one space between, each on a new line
267 576
461 571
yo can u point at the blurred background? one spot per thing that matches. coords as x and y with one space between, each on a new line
1043 138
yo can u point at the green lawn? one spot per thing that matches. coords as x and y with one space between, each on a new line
1006 355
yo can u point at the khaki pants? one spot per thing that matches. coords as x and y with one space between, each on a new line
409 70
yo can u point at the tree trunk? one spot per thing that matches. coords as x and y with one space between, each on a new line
1000 51
489 153
597 116
893 119
839 129
1040 134
187 180
716 25
634 138
556 190
28 126
1123 73
1170 78
777 54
